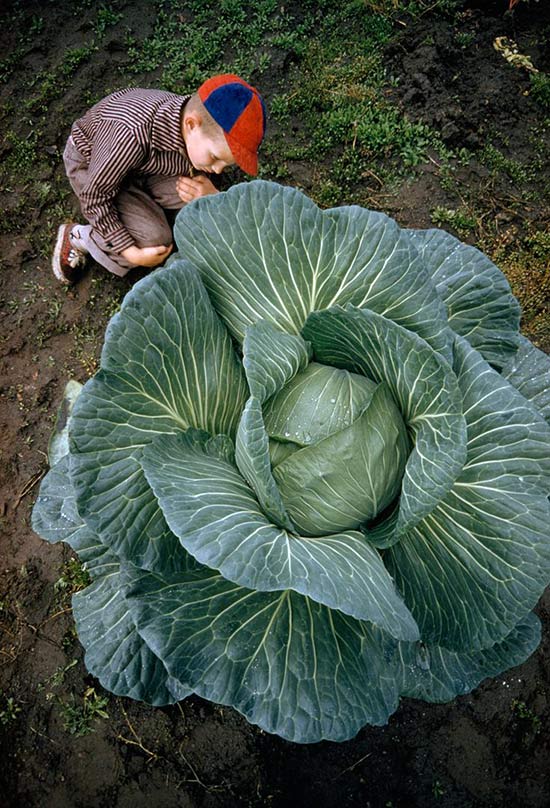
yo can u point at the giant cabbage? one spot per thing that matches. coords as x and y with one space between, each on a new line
312 473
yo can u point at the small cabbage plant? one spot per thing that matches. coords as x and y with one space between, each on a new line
312 473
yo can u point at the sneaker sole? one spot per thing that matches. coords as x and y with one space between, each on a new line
56 259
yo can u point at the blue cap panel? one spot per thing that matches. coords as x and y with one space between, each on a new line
227 103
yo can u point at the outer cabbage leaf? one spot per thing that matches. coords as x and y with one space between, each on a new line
288 664
210 507
473 568
480 304
115 653
55 517
168 363
529 371
435 674
267 252
58 445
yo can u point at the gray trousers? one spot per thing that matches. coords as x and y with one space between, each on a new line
140 205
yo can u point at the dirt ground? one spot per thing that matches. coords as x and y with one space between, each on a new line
490 748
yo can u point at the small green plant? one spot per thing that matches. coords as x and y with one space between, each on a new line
23 154
464 39
73 578
69 638
36 26
51 84
523 712
78 717
460 220
495 160
9 711
106 18
279 108
540 89
437 789
58 677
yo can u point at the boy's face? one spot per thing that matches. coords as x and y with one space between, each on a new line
206 153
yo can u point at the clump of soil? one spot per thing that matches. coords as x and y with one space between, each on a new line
486 749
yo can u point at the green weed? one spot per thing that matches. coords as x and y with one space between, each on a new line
78 717
524 712
540 89
73 578
58 677
464 39
526 264
494 159
193 44
23 154
529 723
437 789
35 27
75 715
49 85
106 18
9 710
458 219
69 638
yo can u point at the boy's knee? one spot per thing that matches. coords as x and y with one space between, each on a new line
143 218
154 237
148 227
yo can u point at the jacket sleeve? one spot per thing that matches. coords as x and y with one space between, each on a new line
117 150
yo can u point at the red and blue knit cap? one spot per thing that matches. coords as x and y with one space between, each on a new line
240 111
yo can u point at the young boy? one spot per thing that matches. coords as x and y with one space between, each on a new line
134 155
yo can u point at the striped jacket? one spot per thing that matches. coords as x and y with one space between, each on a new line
130 134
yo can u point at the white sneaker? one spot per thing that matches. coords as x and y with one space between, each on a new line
67 260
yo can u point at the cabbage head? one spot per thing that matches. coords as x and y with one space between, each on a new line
312 473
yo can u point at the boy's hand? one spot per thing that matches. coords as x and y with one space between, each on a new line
190 188
146 256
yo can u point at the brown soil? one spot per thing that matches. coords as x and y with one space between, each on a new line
490 748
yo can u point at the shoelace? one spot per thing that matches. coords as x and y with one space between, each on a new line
74 257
